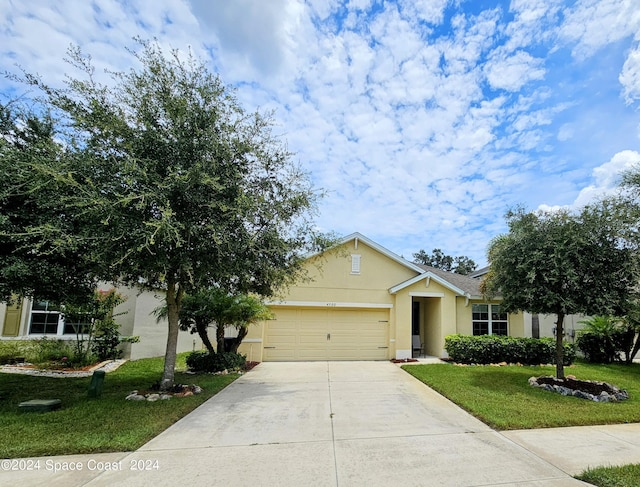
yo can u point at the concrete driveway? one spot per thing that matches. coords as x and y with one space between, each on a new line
325 424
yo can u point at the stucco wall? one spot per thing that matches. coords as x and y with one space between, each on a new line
433 319
330 278
153 335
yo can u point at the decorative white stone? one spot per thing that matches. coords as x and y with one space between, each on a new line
135 397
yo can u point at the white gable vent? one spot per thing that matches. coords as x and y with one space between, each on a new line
355 264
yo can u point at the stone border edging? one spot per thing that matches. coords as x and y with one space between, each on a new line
615 395
107 366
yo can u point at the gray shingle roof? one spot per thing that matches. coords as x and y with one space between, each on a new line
468 284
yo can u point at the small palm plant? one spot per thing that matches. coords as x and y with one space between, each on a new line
599 340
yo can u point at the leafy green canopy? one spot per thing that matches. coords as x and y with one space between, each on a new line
438 259
563 263
39 253
559 262
214 306
169 184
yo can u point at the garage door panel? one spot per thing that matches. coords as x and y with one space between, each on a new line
327 334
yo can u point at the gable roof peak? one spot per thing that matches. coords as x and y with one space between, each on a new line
357 236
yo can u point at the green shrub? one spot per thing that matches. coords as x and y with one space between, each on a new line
596 348
52 350
216 362
605 339
10 350
488 349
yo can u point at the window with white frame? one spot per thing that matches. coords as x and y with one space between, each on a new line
47 319
489 319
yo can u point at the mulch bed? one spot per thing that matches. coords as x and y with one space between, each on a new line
249 365
595 388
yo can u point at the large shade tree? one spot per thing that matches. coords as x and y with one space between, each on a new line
175 186
39 255
562 263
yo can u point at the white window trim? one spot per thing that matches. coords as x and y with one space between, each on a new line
60 326
489 319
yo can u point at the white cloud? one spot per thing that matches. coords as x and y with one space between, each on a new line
423 131
565 132
431 11
630 76
252 30
512 72
534 21
606 177
593 24
37 35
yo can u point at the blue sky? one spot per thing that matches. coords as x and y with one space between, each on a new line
424 120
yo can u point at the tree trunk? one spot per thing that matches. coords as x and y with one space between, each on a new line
636 348
235 343
220 337
174 299
201 328
560 347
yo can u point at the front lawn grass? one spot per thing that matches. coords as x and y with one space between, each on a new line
84 425
502 397
624 476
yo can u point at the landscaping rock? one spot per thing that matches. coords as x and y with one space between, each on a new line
179 390
590 390
135 397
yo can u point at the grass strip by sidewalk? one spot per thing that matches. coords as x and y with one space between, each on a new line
624 476
502 398
84 425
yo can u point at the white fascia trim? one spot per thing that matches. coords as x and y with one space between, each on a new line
426 295
329 304
426 275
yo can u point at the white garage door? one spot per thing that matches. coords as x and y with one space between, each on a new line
327 334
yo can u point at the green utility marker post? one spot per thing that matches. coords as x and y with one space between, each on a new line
97 381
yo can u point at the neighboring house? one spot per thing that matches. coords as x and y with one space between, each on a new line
32 320
359 301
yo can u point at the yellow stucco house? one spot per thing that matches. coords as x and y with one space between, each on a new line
359 301
363 302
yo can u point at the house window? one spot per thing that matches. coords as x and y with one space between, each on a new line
47 319
489 319
355 264
77 326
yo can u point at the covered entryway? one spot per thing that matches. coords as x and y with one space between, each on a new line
426 321
327 334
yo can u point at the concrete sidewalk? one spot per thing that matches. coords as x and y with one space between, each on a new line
341 424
